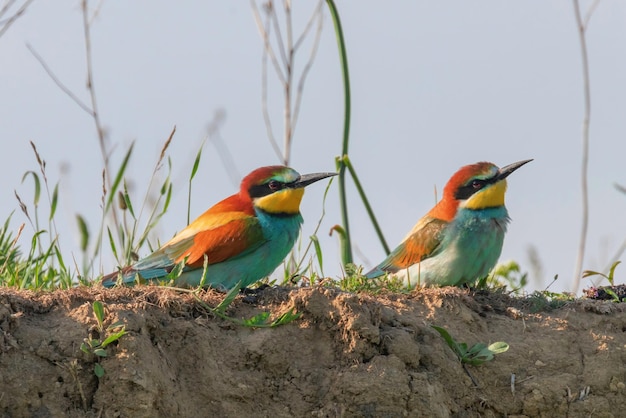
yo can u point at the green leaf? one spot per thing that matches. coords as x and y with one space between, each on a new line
588 273
112 243
98 311
168 198
318 253
611 293
100 352
37 194
129 204
84 348
98 370
498 347
54 202
228 299
118 178
113 337
256 320
196 164
286 318
84 233
476 348
115 325
459 349
612 272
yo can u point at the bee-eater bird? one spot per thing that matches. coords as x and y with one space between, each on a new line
460 239
243 238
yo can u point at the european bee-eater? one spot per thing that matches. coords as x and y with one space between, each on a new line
244 237
460 239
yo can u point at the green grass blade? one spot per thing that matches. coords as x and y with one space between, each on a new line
196 164
112 243
366 203
194 170
318 253
118 178
228 299
346 249
286 318
127 201
98 311
54 202
84 232
37 194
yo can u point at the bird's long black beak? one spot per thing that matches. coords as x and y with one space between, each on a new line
307 179
504 172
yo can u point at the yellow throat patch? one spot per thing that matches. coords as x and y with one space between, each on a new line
284 201
490 197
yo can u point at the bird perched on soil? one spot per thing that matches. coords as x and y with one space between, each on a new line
460 239
243 238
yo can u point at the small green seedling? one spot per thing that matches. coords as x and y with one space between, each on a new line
95 345
610 277
261 320
476 354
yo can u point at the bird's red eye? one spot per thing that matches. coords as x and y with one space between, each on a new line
274 185
477 184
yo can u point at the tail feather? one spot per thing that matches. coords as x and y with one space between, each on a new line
375 272
127 275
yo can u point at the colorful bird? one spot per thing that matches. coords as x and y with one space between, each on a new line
243 238
460 239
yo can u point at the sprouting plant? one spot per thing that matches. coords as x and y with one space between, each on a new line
610 277
474 355
505 275
101 337
261 320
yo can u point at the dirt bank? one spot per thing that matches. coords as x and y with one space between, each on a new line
347 355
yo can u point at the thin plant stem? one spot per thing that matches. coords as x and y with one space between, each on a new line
6 24
266 38
287 86
281 51
585 139
108 182
309 64
366 203
346 249
58 82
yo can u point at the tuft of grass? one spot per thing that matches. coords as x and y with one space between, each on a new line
261 320
544 300
354 281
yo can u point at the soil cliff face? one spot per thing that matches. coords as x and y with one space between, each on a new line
346 356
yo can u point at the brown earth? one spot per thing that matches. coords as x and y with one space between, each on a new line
346 356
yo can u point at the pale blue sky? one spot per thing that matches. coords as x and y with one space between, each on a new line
435 85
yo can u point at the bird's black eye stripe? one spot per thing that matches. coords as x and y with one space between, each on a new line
260 190
472 187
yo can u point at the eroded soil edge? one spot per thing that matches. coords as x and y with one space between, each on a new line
348 355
